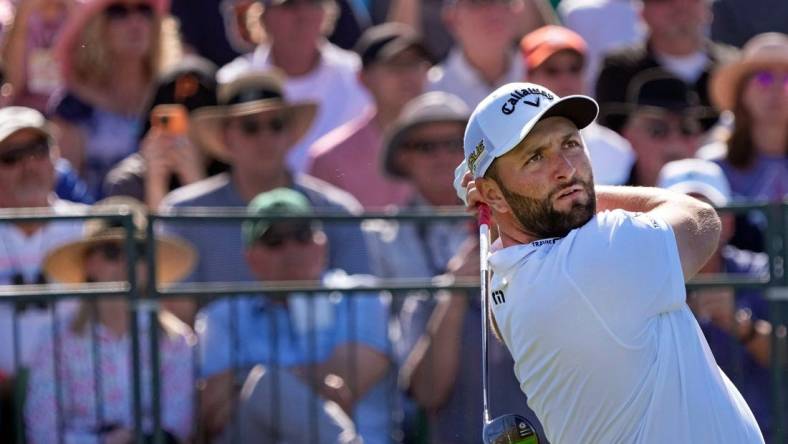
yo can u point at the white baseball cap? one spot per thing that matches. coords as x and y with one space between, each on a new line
696 176
17 118
506 116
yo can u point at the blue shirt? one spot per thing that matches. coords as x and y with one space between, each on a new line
251 330
220 246
752 379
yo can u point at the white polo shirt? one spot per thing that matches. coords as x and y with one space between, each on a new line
604 344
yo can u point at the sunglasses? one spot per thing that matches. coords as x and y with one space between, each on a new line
766 79
432 146
662 129
253 127
273 238
114 251
37 149
294 3
120 11
574 69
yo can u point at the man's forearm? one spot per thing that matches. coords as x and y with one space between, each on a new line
630 198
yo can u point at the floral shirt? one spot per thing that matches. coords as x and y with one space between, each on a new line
79 385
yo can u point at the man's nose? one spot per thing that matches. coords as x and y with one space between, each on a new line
564 168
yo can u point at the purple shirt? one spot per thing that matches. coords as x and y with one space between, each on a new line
350 157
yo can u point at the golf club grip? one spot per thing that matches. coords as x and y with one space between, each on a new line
484 271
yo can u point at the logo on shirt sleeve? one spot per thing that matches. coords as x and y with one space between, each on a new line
498 297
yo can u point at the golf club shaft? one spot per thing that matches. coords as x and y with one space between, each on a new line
484 270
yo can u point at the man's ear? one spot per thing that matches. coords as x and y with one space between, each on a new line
491 194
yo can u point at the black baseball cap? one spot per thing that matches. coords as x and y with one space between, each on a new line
382 42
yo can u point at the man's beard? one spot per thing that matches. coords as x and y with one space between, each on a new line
541 219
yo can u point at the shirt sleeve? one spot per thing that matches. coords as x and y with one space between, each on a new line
213 329
362 318
627 265
178 376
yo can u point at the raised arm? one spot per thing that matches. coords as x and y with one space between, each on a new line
695 224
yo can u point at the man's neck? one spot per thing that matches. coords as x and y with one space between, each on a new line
491 65
511 231
676 47
116 320
294 62
385 117
769 138
29 228
250 185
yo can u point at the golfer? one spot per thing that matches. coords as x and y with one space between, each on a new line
588 287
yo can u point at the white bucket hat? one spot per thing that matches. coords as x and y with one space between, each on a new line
697 176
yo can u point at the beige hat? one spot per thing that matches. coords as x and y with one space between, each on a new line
249 94
175 258
768 50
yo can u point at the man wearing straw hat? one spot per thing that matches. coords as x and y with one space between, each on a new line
89 397
254 127
27 179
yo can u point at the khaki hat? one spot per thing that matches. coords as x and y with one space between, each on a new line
431 107
764 51
246 95
175 258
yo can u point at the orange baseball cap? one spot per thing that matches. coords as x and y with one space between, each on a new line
540 44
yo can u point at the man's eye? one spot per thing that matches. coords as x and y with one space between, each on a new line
535 158
572 144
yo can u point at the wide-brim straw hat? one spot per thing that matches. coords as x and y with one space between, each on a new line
250 94
175 258
764 51
81 14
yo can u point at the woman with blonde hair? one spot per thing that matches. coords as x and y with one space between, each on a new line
755 155
110 54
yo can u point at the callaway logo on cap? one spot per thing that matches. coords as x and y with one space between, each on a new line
507 115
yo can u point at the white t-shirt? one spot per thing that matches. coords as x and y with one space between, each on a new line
611 155
333 85
688 68
22 254
604 344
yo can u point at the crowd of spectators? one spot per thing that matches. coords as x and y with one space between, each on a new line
296 107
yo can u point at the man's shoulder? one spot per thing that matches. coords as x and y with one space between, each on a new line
630 56
200 193
325 196
337 143
339 58
721 53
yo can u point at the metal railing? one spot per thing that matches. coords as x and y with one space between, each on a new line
775 289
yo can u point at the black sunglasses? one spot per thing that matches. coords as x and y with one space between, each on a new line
253 127
661 130
114 251
430 146
276 238
37 149
118 11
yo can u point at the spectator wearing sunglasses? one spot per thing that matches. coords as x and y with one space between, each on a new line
556 58
301 349
27 179
252 129
662 118
313 68
89 397
110 54
755 155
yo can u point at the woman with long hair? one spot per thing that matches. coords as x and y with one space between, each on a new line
110 53
755 155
